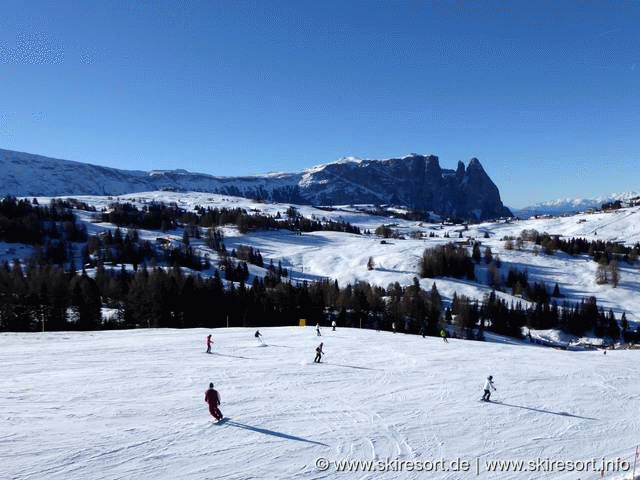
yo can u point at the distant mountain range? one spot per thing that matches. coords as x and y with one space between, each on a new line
567 206
415 181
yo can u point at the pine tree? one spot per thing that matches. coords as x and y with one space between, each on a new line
85 298
624 326
493 275
434 310
488 255
602 274
475 252
614 273
370 264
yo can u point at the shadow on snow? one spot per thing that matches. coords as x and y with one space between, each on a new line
562 414
272 433
350 366
232 356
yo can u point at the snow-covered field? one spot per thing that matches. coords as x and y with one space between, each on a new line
344 257
129 404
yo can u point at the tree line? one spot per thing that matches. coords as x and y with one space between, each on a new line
598 250
25 222
472 318
34 297
47 297
497 315
165 217
47 292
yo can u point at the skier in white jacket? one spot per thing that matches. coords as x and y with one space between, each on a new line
488 385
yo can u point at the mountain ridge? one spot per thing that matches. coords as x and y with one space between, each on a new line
414 181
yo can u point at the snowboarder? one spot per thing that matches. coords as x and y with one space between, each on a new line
209 342
333 325
443 334
318 329
488 385
319 353
258 335
212 397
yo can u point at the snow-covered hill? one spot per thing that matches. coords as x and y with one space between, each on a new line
129 404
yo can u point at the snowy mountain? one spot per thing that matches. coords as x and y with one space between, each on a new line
415 181
566 206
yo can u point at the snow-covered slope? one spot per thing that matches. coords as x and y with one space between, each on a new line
129 404
25 174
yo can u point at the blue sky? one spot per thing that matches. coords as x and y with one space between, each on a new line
545 94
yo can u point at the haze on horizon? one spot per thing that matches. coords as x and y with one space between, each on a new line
546 96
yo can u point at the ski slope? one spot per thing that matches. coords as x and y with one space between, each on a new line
129 404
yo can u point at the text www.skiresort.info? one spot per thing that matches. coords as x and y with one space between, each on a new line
476 467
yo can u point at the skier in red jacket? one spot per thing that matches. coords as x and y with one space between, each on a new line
212 397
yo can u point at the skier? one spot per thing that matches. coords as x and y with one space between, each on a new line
422 332
209 342
212 397
318 329
333 325
488 385
319 353
443 334
393 327
258 335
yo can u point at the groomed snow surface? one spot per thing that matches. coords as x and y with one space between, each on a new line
130 404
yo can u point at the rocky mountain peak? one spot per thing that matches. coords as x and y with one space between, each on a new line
415 181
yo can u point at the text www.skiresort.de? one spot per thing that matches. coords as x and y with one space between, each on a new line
474 467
